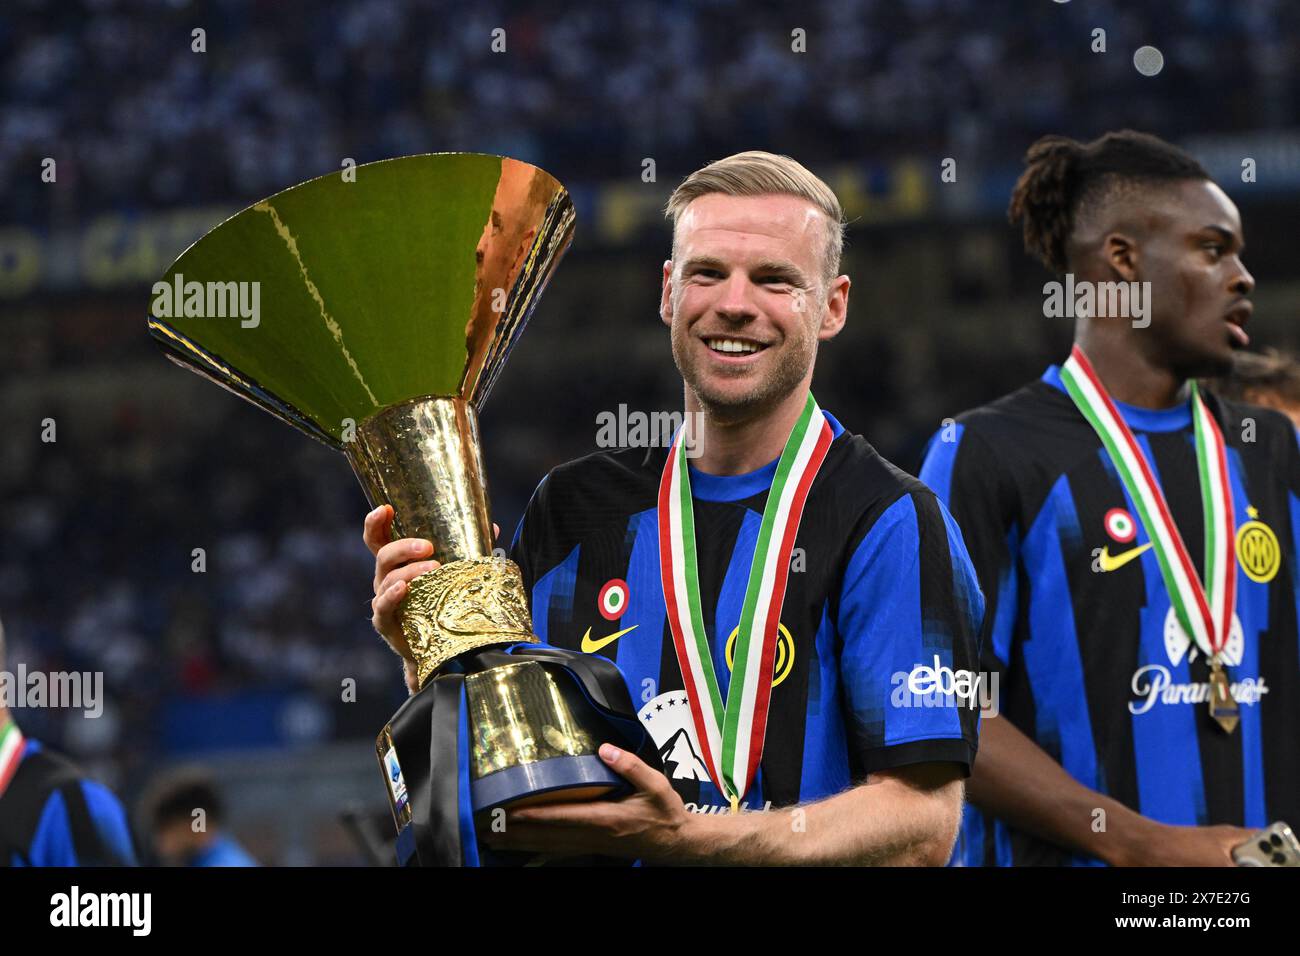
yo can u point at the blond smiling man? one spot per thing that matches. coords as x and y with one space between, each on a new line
784 573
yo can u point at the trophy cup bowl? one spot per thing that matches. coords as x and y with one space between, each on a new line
387 299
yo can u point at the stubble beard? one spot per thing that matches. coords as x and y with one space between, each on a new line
793 360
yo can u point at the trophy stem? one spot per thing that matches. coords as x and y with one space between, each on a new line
423 458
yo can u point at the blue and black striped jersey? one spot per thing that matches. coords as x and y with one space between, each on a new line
1092 662
880 584
52 815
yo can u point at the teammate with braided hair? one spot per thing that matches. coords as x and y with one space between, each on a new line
1135 541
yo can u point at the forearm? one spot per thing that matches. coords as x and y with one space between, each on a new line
1017 780
891 820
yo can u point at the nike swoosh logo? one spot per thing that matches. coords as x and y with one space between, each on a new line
1110 562
591 647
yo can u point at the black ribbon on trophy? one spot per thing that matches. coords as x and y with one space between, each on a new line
431 731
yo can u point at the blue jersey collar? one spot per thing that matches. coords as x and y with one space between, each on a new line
738 487
1138 419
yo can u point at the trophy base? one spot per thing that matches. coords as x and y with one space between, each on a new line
567 778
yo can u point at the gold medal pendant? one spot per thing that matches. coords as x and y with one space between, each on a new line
735 804
1223 707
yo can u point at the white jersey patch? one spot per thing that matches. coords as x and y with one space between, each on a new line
667 718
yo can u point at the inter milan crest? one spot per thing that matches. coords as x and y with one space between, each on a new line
1257 549
784 662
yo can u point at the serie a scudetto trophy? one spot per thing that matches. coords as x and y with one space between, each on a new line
387 299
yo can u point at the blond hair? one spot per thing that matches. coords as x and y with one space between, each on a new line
756 173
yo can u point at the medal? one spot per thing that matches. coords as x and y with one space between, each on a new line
1223 707
731 734
1204 612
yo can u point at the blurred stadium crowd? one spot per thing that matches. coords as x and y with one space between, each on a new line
97 557
285 90
131 548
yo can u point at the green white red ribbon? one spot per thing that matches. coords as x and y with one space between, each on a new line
12 748
731 734
1205 612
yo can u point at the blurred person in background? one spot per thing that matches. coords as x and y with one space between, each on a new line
187 821
1269 378
50 813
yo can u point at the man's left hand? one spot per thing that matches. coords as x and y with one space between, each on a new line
650 824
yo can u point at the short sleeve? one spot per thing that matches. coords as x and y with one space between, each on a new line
909 618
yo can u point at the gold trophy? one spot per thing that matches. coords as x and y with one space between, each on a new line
373 309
